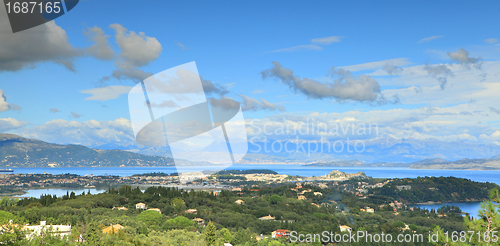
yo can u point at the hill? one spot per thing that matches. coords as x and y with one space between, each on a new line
435 163
435 190
465 164
16 151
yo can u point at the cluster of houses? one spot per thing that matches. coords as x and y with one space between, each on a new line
300 195
397 205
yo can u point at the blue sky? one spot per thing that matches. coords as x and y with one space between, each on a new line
232 42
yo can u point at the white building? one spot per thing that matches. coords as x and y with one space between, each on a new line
344 228
36 230
141 206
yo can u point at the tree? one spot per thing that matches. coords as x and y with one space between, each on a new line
92 236
413 227
179 222
12 233
177 204
489 220
242 236
210 234
226 235
274 199
150 217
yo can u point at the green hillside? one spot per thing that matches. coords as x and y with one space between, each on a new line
16 151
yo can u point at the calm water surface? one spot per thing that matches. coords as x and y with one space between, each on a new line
469 207
58 192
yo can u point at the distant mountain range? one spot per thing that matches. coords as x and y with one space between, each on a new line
436 163
16 151
375 150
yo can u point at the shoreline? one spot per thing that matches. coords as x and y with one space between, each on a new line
264 165
438 203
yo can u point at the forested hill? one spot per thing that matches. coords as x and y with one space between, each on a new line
433 189
16 151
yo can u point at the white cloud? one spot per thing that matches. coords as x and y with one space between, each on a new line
454 123
210 87
425 40
378 64
8 124
462 56
15 107
88 133
76 115
327 40
26 49
491 40
258 91
439 72
183 47
464 85
345 86
4 105
494 137
315 46
106 93
101 49
254 104
54 110
136 50
300 48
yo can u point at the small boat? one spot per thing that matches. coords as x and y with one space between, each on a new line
10 170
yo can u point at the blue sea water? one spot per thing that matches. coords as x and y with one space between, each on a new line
469 207
59 192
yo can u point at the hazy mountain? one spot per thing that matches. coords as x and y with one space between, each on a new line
472 164
377 150
16 151
436 163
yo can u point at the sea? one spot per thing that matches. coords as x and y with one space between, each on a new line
375 172
299 170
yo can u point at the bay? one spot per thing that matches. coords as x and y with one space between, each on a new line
59 192
492 176
469 207
472 208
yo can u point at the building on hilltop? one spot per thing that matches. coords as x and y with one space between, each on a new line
36 230
141 206
344 228
403 187
199 221
268 217
280 233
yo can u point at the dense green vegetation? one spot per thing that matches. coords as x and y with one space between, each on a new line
225 220
436 189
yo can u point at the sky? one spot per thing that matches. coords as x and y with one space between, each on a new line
418 70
